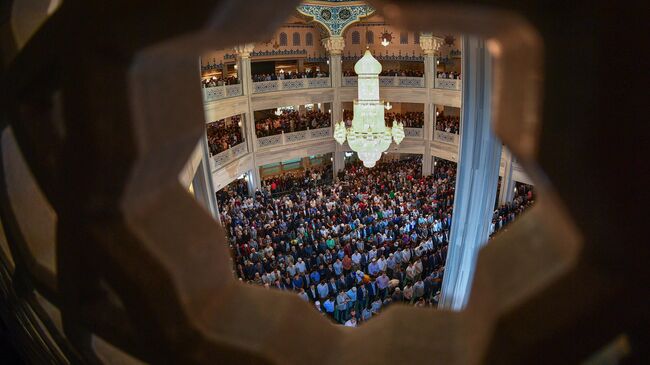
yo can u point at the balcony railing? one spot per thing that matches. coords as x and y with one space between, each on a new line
294 137
448 84
229 155
291 84
445 137
413 132
221 92
388 81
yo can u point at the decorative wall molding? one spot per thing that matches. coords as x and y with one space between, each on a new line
291 84
445 137
294 137
449 84
221 92
393 57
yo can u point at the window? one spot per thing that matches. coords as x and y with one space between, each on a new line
370 37
283 39
309 39
416 37
356 38
404 38
296 39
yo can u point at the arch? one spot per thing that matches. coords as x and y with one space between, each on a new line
370 37
309 39
283 39
296 39
416 38
356 37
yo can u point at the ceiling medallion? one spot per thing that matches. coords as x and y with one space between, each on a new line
326 14
368 136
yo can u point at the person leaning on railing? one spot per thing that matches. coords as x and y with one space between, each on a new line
292 121
408 119
449 124
289 75
448 75
219 81
222 137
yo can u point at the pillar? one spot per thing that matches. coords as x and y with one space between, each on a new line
506 194
430 46
243 52
478 172
205 172
334 46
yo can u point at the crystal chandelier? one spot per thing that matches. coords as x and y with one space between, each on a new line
368 136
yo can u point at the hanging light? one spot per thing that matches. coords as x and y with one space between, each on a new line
368 136
386 38
278 112
388 106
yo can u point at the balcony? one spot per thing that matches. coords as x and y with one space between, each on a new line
448 84
221 92
445 137
223 158
413 133
294 137
291 84
387 81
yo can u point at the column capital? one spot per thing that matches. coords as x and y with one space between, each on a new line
244 50
430 44
334 44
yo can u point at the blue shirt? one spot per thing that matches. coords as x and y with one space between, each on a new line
329 306
315 276
352 294
338 268
323 290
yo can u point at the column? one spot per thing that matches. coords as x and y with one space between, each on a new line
243 52
506 194
334 46
430 46
205 170
478 172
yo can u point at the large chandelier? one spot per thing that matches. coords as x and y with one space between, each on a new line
368 136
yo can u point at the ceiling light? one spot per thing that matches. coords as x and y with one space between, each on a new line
368 136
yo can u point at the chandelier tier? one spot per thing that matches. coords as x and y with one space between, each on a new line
368 137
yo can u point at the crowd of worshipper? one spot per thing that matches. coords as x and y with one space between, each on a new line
219 81
289 75
507 213
391 73
292 121
222 135
448 75
287 182
448 123
408 119
236 188
374 238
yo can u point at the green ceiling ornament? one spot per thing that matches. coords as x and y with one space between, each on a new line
338 16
